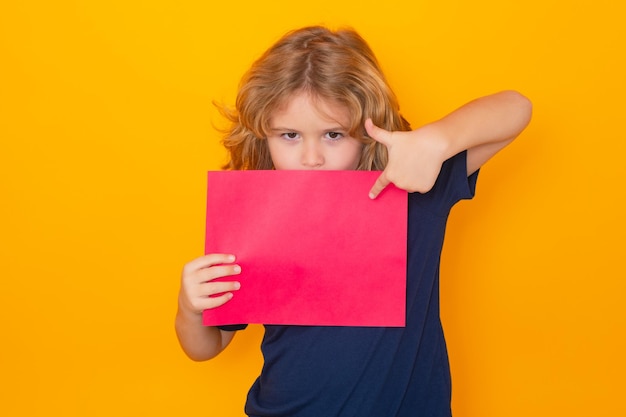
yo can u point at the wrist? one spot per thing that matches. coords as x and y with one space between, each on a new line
441 141
187 311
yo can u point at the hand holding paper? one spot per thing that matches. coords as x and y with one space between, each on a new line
313 248
200 287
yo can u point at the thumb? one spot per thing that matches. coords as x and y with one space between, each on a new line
381 183
378 134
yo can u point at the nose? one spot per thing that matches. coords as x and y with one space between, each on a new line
312 155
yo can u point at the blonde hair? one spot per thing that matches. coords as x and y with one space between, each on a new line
337 66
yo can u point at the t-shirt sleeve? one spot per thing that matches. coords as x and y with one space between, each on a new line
233 327
452 185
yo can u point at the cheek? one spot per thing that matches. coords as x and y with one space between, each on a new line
351 155
281 157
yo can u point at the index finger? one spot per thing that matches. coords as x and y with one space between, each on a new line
381 183
378 134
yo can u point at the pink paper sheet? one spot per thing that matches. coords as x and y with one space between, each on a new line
313 248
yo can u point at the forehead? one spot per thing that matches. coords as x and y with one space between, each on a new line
306 106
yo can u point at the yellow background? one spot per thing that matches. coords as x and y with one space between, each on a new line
107 130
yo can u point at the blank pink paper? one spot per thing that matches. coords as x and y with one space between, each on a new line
313 247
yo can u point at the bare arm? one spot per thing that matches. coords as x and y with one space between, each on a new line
485 126
197 293
482 127
200 342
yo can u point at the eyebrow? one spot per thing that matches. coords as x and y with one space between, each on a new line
288 129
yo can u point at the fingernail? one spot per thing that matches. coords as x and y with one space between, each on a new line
372 196
231 258
237 285
237 269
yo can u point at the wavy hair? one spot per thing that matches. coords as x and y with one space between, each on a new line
337 66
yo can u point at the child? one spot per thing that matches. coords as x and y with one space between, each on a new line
317 99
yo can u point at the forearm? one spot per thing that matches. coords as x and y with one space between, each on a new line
491 120
199 342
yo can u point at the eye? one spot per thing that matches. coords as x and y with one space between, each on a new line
290 135
334 135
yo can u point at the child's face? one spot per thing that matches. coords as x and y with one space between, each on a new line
311 134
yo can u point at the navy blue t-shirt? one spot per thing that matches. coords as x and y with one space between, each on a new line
312 371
